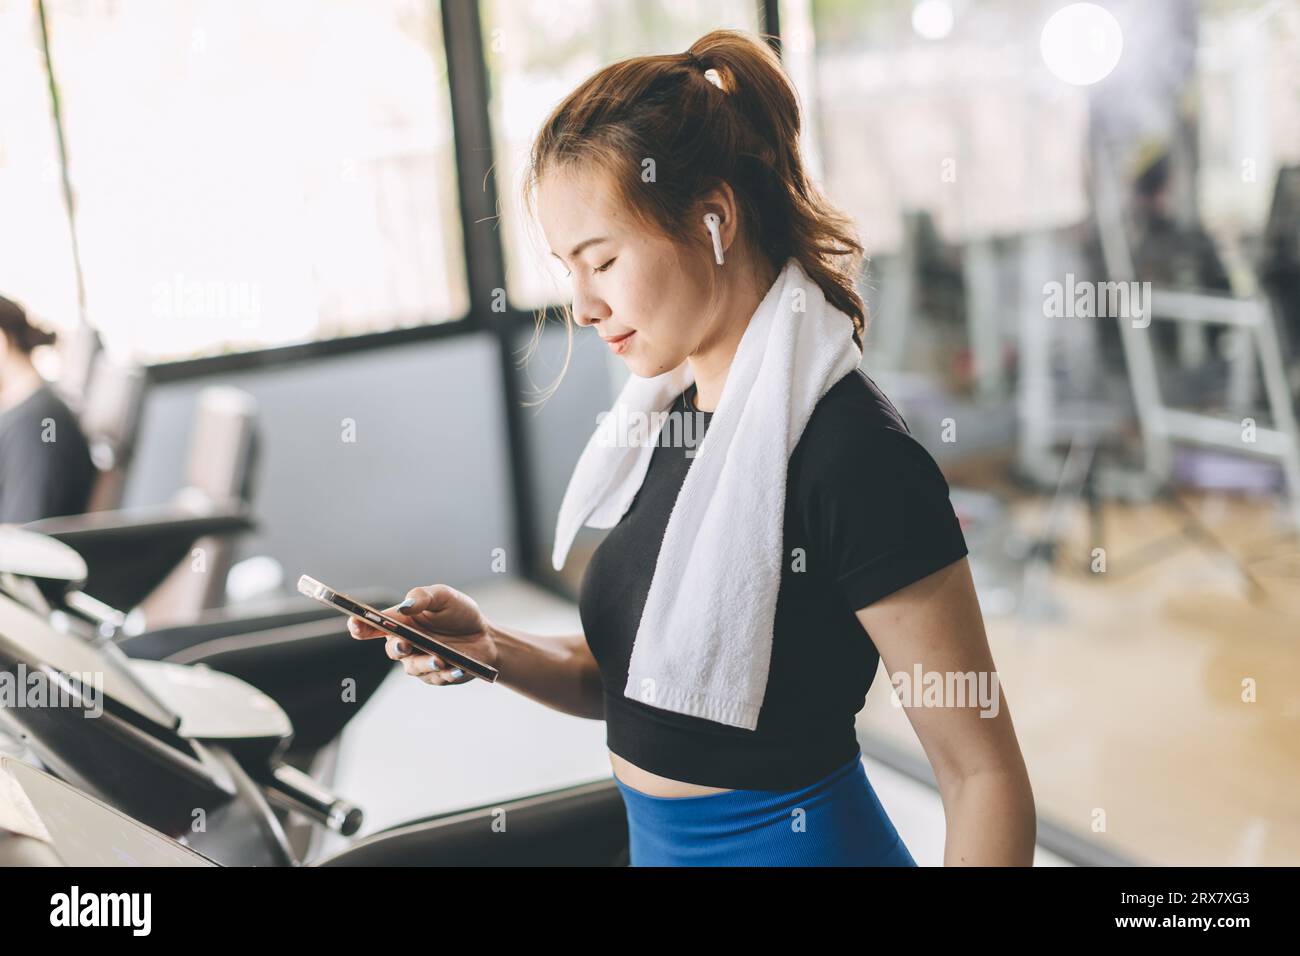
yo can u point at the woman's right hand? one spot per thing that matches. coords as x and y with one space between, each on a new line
442 612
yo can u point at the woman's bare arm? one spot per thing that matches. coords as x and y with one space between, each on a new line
935 623
557 670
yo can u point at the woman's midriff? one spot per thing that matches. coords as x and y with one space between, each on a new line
655 785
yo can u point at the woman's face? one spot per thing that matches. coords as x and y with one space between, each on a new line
624 280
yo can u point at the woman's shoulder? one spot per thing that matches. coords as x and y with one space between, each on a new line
856 395
854 417
869 499
41 402
25 419
856 435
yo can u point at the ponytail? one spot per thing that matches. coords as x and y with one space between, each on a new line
22 335
793 218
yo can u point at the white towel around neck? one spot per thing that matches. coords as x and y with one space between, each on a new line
704 642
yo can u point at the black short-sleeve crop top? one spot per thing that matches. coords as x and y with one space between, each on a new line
869 509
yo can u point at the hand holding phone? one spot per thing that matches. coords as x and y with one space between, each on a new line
437 621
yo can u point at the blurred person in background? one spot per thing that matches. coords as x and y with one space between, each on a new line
45 464
1166 251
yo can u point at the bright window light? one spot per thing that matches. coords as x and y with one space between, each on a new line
1081 43
932 19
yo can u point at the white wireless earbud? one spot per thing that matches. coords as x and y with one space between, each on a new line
711 222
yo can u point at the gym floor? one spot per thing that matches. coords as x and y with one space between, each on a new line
1129 699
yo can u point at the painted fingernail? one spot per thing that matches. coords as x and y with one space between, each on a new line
402 648
457 674
406 604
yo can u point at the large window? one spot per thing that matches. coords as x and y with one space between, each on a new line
954 115
36 263
248 174
537 53
1249 92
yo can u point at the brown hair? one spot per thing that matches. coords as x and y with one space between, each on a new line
22 335
743 131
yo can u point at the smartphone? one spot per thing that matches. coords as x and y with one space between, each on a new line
430 645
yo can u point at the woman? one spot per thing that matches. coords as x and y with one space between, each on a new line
45 464
625 172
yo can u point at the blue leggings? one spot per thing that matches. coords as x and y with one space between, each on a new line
835 821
